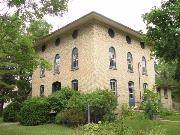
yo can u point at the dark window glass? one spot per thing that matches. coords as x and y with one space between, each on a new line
111 32
56 86
112 57
113 86
57 42
165 93
75 34
41 90
42 71
43 48
75 84
130 62
74 58
145 86
57 64
128 39
142 45
131 89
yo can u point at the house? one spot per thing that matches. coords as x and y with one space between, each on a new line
95 52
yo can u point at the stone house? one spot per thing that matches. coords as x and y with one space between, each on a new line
95 52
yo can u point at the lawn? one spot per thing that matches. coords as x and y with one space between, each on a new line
48 129
174 117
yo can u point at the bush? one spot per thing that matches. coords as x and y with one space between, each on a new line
58 101
71 118
126 111
102 104
11 112
151 104
34 111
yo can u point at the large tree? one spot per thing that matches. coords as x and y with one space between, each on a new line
21 25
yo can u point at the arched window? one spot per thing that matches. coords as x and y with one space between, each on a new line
144 68
56 86
145 86
131 93
74 58
130 62
42 71
112 57
113 86
41 90
74 84
56 64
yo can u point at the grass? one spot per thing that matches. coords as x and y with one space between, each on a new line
174 117
1 119
139 123
48 129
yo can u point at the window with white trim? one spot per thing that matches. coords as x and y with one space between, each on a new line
74 58
113 86
74 84
42 71
112 57
145 86
130 62
131 89
144 67
57 64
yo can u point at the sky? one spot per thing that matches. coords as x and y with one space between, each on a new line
127 12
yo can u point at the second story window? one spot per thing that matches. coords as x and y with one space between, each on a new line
113 86
57 64
144 68
42 91
130 62
74 58
42 71
128 39
112 58
74 84
165 93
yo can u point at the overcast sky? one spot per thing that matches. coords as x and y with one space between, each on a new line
127 12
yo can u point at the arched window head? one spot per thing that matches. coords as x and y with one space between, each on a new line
130 62
145 86
144 68
113 86
74 84
111 32
128 39
75 58
56 64
112 58
42 71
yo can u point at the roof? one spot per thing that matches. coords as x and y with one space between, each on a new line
87 18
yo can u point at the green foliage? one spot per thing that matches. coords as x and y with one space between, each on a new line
71 118
11 112
58 101
102 104
34 111
163 30
151 103
126 111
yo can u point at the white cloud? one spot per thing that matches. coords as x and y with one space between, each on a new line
127 12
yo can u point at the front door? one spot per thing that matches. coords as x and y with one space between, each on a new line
131 94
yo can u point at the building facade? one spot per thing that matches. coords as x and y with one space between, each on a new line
95 52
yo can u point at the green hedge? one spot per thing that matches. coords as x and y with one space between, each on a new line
11 112
34 111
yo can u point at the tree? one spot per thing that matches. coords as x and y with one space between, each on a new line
19 29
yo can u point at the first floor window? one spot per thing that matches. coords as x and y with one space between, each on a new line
41 90
75 84
165 93
131 90
56 86
113 86
145 86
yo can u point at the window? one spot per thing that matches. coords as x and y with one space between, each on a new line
111 32
130 62
131 89
145 86
43 48
41 90
75 84
144 68
56 86
75 34
57 42
42 71
142 45
56 64
165 93
128 39
112 57
113 86
74 58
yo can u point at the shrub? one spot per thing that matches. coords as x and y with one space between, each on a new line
126 111
102 104
34 111
151 104
70 117
11 112
58 101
